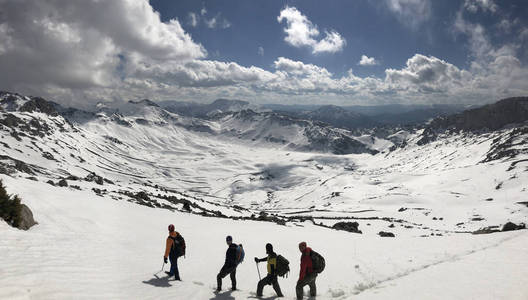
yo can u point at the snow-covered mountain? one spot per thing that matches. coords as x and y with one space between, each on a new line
191 109
264 177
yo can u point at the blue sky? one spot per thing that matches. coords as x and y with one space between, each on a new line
369 27
343 52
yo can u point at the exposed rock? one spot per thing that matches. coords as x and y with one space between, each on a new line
62 183
48 155
347 226
512 226
50 182
92 177
523 203
39 104
487 230
11 120
26 218
386 234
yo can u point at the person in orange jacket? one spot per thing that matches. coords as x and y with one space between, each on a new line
173 251
307 275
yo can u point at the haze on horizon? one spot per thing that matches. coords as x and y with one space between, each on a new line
295 52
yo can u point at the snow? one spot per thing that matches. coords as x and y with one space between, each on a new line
90 245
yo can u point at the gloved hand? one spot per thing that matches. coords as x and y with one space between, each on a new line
256 259
165 259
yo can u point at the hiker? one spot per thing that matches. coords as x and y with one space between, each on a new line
231 261
271 278
174 248
307 275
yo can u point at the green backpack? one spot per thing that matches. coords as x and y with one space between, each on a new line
283 266
318 262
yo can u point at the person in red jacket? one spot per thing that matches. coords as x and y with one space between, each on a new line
307 275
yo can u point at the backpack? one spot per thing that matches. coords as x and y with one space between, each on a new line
240 253
178 245
283 266
318 262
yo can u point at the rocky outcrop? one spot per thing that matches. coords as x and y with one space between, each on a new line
347 226
26 218
386 234
40 105
489 117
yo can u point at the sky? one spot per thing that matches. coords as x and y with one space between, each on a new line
362 52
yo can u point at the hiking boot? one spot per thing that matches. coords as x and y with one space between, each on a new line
234 288
168 273
218 289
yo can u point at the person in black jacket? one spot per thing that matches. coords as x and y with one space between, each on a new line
271 278
230 265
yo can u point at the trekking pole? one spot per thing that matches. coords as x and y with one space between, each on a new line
258 270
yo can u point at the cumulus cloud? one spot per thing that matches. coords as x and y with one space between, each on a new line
410 12
301 32
260 51
106 50
427 73
367 61
81 44
484 5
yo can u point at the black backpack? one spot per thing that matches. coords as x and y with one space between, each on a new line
318 262
283 266
178 245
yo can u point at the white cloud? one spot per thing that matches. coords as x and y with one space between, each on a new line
301 32
410 12
367 61
484 5
193 19
217 22
427 73
260 51
104 50
203 11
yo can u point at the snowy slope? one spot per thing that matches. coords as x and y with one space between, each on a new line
88 247
95 241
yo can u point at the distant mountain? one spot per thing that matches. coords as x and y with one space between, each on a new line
489 117
291 132
419 115
192 109
339 117
266 129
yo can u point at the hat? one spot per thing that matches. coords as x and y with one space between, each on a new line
171 227
229 238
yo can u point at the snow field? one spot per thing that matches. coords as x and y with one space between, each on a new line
88 247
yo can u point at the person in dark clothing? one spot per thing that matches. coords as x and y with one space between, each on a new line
307 275
271 278
171 253
230 265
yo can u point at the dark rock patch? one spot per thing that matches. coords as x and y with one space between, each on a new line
386 234
26 218
62 183
512 226
347 226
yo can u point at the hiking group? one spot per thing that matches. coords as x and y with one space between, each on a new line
312 263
